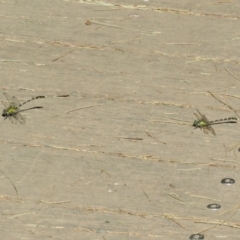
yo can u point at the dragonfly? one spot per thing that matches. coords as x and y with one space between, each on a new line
12 109
203 123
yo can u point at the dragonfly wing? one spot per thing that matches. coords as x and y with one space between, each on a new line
205 130
12 100
13 119
16 102
197 116
205 118
5 104
20 118
199 113
8 97
211 130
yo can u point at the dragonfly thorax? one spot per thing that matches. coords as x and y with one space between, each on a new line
200 123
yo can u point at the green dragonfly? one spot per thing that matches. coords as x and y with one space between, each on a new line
12 109
204 124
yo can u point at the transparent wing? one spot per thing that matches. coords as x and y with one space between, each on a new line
201 117
13 119
205 119
8 97
20 118
199 113
205 130
198 117
12 100
211 130
5 104
16 102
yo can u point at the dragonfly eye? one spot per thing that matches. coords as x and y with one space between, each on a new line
4 114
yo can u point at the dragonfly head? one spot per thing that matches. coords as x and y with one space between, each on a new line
4 114
195 123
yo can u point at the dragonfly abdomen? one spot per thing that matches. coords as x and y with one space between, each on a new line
33 98
224 120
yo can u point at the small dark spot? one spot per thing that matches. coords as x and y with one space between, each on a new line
196 236
88 22
214 206
228 181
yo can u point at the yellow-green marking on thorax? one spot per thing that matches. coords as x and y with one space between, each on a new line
10 110
200 123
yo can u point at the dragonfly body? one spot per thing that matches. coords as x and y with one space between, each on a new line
204 124
9 111
199 123
12 108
